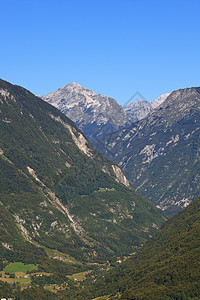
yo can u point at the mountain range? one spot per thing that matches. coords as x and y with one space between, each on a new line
160 153
93 114
67 208
149 143
59 198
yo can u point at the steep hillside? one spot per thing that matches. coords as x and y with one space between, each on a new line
93 114
58 192
160 154
167 267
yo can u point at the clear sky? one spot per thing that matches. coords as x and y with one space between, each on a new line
112 47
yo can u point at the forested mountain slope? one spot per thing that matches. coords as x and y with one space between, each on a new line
58 192
166 267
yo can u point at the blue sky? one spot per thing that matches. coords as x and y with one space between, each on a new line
113 47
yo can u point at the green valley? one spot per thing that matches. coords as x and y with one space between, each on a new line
63 206
166 267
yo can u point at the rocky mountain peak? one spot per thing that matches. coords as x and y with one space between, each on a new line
86 108
136 103
159 100
75 87
186 96
180 104
137 110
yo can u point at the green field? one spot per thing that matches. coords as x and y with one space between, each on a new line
79 276
19 267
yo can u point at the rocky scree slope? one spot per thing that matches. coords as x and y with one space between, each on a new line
160 154
58 192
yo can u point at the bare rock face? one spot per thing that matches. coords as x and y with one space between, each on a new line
160 153
93 114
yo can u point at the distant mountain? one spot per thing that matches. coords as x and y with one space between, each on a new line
159 100
93 114
139 109
167 267
160 154
60 198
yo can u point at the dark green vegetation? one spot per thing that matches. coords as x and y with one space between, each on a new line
160 154
6 291
61 202
166 267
